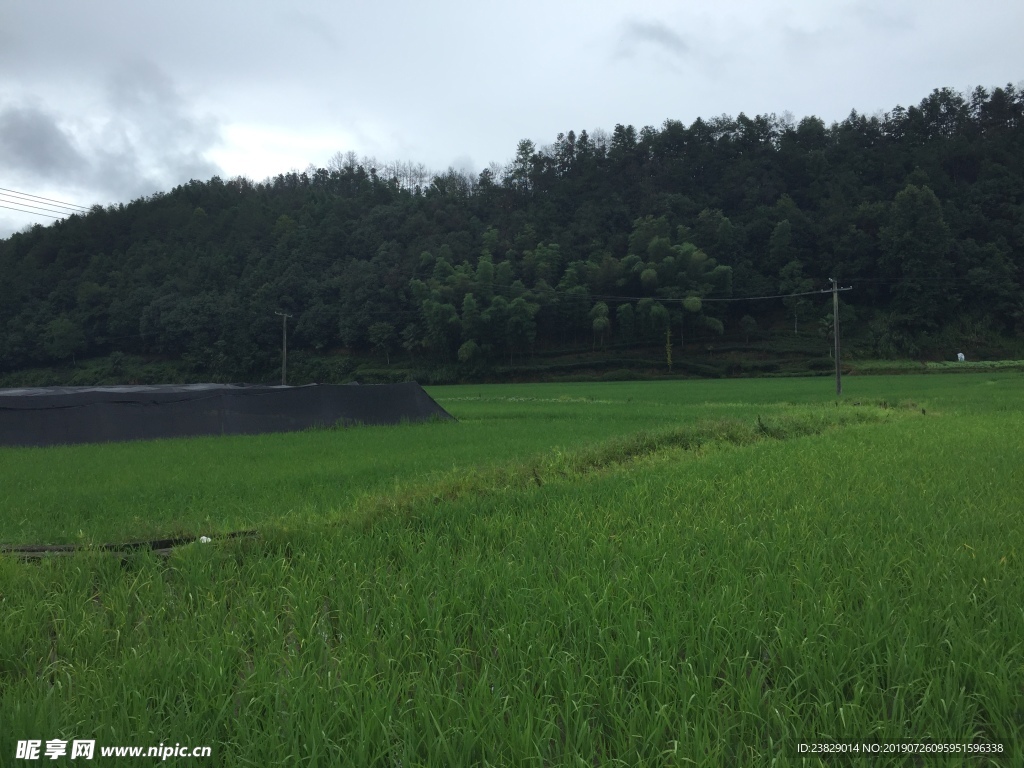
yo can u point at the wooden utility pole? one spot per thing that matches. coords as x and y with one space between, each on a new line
284 347
834 290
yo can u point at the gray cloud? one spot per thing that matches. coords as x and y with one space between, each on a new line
143 137
640 34
867 19
312 27
153 132
33 143
883 16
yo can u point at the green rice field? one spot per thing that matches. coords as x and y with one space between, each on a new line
670 573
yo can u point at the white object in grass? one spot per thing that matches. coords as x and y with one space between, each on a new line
204 539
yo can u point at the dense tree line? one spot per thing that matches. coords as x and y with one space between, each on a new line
645 237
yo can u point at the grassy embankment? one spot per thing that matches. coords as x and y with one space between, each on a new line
538 583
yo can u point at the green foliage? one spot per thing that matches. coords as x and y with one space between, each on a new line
917 244
382 336
625 317
469 352
649 280
890 336
749 325
600 322
62 339
442 327
521 328
780 249
714 325
659 315
918 209
471 324
646 230
792 280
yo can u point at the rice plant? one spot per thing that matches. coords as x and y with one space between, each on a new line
742 567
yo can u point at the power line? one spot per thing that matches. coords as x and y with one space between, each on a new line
44 199
415 273
919 280
665 300
33 213
3 198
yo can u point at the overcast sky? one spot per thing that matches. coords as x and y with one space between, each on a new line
108 100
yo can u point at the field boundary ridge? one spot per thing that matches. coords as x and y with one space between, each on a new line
618 452
162 546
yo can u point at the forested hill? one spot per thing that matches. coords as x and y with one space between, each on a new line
604 241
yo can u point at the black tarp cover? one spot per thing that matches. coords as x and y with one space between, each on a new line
63 415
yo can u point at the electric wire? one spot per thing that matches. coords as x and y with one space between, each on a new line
3 199
44 199
34 213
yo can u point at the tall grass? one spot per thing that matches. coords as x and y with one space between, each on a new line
681 597
109 492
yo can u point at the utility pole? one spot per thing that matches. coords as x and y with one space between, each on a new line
284 347
834 290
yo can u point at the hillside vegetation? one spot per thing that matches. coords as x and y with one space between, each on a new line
600 244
